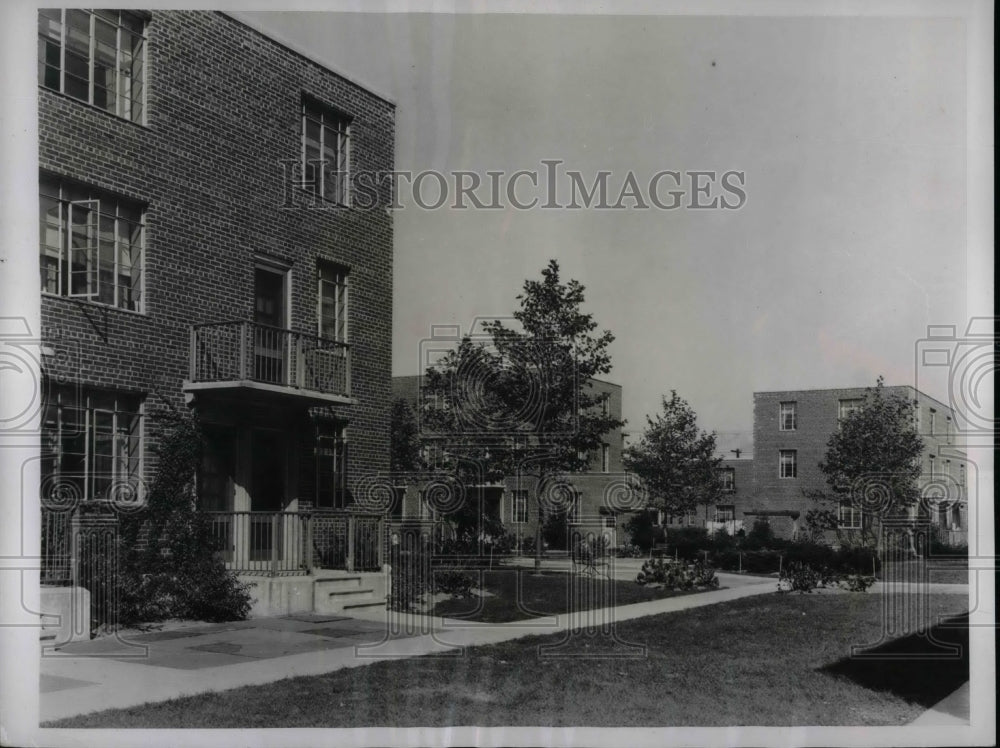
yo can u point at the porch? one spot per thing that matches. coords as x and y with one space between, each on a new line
291 543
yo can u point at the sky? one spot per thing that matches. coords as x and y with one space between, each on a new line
851 133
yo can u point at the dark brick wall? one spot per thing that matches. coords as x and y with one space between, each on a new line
223 113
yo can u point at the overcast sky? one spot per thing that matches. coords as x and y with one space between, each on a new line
851 133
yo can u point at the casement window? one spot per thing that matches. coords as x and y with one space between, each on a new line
332 301
725 513
727 477
605 458
325 152
331 467
91 446
786 417
849 406
848 516
91 244
95 56
787 463
520 507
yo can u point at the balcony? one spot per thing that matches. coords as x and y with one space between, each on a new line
246 357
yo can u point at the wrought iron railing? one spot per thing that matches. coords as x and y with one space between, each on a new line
289 543
247 351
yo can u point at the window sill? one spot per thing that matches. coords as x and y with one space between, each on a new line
94 304
143 125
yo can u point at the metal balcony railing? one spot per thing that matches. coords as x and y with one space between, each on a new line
250 352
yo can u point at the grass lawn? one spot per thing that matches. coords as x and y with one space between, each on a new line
518 594
939 569
766 660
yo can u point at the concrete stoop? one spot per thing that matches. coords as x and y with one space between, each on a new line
324 591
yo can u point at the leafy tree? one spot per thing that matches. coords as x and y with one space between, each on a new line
520 400
873 462
676 461
404 444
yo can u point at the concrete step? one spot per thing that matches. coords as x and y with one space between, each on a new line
368 605
357 593
337 584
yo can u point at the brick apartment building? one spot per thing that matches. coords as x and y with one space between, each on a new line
790 434
200 249
594 499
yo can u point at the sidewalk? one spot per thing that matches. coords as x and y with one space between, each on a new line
118 672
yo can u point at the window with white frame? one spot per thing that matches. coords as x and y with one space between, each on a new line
725 513
848 516
787 463
846 407
92 445
331 466
786 417
325 152
332 301
91 244
727 477
520 507
96 56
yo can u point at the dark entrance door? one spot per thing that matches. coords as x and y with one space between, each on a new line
267 493
270 336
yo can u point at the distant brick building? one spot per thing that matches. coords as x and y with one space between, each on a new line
200 249
595 499
790 435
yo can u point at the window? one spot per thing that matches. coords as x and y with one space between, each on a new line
605 458
849 406
947 429
325 152
930 464
331 466
956 516
787 463
786 417
332 301
933 417
96 56
725 513
609 520
520 507
961 474
848 516
606 406
91 244
728 478
92 445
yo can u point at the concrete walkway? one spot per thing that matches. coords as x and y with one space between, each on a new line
137 668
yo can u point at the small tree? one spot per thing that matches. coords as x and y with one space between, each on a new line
521 402
675 461
404 439
872 464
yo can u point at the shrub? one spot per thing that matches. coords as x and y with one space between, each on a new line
688 542
676 575
175 572
857 582
630 550
555 530
799 577
643 532
761 535
454 582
